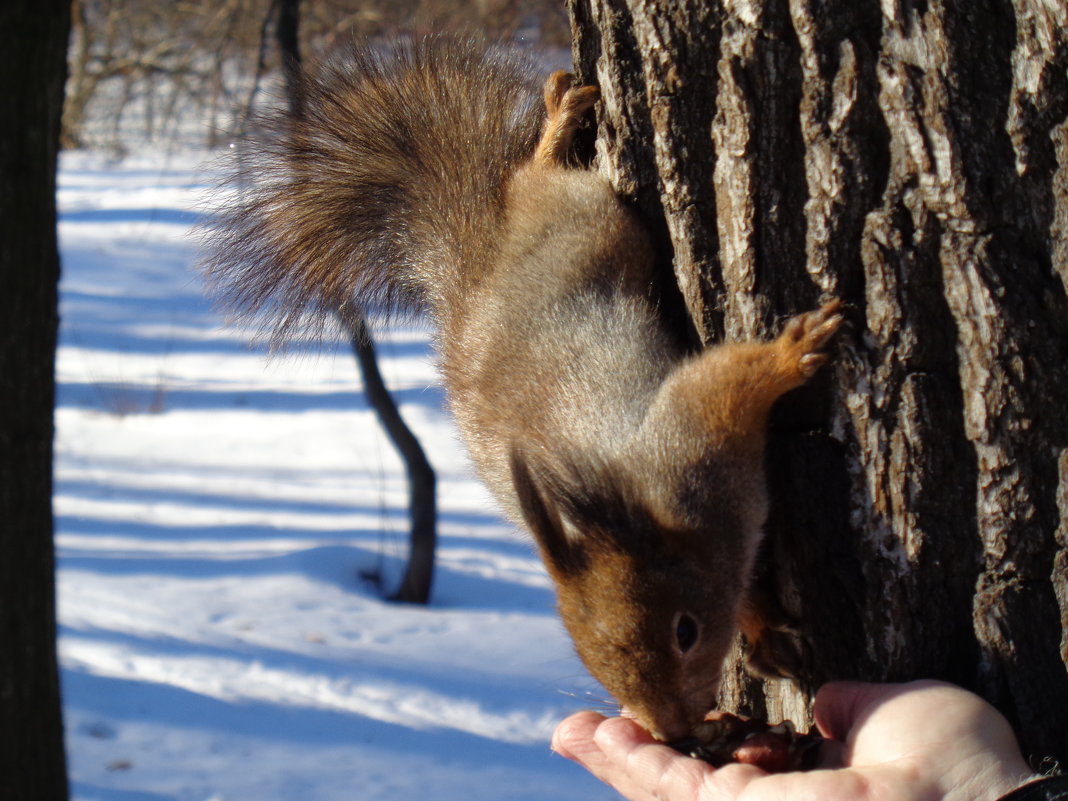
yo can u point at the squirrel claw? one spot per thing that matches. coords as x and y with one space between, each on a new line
811 362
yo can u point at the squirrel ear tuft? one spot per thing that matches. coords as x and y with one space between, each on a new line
543 516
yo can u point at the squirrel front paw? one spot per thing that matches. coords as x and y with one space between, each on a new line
802 340
776 654
772 641
565 104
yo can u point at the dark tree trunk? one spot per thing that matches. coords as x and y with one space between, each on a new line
911 158
418 576
422 483
33 42
287 35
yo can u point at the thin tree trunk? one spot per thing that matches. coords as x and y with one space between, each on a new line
911 158
418 577
33 41
287 35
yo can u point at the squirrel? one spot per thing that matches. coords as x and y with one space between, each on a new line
436 177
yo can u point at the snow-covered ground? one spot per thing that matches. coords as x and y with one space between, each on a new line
216 507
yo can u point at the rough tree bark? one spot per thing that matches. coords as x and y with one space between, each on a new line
33 41
910 157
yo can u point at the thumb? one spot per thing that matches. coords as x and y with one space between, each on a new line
839 705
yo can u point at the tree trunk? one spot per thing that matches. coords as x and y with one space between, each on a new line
33 41
422 483
911 158
287 36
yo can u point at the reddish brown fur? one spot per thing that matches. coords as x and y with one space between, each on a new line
636 467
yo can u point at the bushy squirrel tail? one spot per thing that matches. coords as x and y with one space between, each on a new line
386 186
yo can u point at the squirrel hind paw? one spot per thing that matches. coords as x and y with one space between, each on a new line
565 104
578 100
556 86
805 336
565 100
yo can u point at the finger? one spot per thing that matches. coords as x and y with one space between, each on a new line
641 768
583 738
576 739
634 764
839 705
573 737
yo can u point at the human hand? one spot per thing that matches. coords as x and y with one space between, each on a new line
923 741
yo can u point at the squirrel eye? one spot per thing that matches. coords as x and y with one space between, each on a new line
685 632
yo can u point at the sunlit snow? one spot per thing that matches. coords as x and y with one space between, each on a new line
217 507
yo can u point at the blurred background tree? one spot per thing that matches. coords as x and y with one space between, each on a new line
147 67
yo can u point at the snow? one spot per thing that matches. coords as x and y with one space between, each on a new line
218 509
